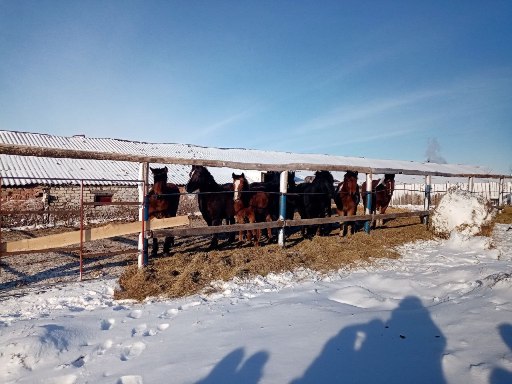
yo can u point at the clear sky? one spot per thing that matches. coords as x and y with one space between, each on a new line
380 79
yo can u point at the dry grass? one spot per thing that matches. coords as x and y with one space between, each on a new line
192 268
505 217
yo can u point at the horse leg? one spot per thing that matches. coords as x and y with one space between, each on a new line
168 243
154 250
232 235
345 225
269 230
378 221
215 239
254 235
239 219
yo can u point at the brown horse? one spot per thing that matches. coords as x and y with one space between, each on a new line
347 198
163 202
215 200
382 191
251 206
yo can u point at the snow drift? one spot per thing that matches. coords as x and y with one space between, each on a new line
461 212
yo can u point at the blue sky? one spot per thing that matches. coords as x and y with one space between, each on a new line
378 79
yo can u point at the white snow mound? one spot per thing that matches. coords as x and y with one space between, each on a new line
461 212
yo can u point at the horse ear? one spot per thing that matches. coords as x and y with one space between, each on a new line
165 168
243 174
233 175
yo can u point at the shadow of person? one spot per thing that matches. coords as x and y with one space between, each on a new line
229 370
500 375
406 349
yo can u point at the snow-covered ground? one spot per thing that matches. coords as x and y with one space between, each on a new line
442 313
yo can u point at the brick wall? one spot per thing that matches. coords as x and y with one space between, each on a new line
66 200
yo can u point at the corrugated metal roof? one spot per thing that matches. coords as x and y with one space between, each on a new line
34 168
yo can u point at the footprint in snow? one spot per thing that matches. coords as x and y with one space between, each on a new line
135 314
139 330
67 379
131 379
107 324
163 326
104 347
169 313
131 351
190 305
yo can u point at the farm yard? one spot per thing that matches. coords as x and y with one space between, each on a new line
195 266
429 310
423 304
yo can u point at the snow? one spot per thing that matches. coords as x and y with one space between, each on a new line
461 212
439 314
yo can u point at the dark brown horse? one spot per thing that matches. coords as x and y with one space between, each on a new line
215 200
314 200
271 187
251 206
347 198
382 191
164 198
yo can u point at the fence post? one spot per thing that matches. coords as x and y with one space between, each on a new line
426 201
471 184
283 188
142 259
368 207
501 190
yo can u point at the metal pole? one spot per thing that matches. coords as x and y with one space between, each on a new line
283 188
142 259
368 207
81 227
426 201
471 185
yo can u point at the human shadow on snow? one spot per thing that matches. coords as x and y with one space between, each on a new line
500 375
406 349
230 369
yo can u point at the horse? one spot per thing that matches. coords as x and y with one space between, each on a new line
253 206
271 186
215 200
163 202
382 190
347 198
314 200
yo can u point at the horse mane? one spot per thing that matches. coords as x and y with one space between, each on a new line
208 177
351 174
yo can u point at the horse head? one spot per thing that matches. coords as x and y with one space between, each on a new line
159 175
240 184
326 180
350 182
200 178
389 183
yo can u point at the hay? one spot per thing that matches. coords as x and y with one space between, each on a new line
192 268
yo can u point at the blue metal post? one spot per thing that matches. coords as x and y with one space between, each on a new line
426 203
145 246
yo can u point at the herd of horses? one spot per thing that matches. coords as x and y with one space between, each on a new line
243 202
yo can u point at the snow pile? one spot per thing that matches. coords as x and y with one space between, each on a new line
461 212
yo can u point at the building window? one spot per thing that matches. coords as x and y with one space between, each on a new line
103 198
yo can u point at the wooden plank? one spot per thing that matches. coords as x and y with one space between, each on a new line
27 150
199 231
68 238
